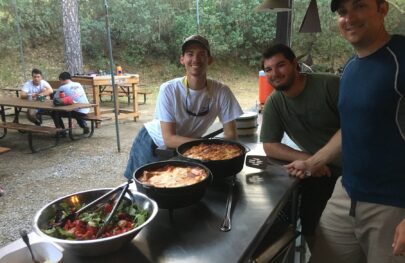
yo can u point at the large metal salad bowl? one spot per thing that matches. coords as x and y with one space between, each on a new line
99 246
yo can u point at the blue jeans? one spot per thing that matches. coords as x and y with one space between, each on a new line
142 152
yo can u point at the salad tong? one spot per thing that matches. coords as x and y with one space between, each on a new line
72 216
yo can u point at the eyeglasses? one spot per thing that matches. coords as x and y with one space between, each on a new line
205 109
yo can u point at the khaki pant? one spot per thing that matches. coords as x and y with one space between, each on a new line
32 115
366 237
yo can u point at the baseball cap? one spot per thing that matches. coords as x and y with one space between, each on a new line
196 39
334 4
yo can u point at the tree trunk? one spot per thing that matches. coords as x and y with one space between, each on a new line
71 33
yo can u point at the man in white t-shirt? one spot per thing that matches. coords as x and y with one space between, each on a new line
76 92
31 90
186 107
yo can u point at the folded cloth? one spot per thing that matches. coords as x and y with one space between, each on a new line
67 100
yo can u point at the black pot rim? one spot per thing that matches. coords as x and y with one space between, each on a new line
185 146
166 162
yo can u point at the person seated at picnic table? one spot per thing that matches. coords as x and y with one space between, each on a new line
31 90
186 107
76 92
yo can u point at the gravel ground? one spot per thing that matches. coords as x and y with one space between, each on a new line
33 180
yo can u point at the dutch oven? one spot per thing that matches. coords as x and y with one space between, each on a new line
173 197
219 168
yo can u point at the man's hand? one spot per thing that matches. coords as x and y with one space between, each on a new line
303 169
399 240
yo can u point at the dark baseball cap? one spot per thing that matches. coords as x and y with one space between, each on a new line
334 4
196 39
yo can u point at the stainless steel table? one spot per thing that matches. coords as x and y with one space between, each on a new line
193 234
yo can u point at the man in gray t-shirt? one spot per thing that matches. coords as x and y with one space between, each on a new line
304 106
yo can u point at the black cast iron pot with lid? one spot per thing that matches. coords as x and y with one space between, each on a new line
219 168
173 197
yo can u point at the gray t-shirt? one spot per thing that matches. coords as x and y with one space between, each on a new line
310 119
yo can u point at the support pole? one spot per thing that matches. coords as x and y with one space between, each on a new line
107 25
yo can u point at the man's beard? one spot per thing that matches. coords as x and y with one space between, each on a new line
282 87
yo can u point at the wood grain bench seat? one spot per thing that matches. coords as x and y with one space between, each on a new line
124 91
94 119
144 92
30 129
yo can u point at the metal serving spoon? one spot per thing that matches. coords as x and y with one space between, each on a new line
226 222
26 240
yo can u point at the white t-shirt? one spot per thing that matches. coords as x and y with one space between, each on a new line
76 91
29 87
171 107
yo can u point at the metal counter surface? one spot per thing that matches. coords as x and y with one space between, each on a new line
194 236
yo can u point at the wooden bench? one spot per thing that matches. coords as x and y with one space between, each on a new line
30 129
94 120
144 92
124 91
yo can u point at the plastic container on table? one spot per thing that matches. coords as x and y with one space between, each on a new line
119 71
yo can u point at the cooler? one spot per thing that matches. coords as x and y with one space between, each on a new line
265 89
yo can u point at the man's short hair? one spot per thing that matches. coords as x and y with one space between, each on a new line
196 39
334 4
273 50
64 76
36 71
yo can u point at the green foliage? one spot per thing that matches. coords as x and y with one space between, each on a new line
152 30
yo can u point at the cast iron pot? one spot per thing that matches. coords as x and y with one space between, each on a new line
219 168
174 197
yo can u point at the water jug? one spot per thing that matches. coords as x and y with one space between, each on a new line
265 89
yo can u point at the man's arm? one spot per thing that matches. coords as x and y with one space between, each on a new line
325 155
47 91
278 150
230 130
23 95
283 152
399 240
170 138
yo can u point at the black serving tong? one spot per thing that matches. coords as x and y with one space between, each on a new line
261 162
72 216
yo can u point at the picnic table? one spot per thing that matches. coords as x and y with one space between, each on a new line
97 83
31 129
13 89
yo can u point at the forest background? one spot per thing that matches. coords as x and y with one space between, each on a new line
146 36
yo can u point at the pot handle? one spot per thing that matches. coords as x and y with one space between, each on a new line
247 148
